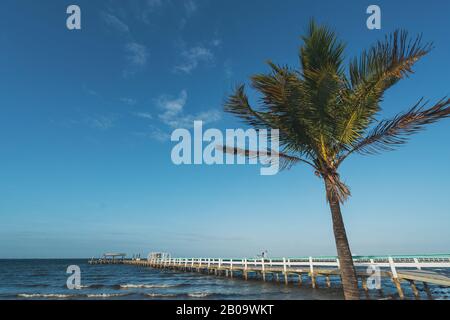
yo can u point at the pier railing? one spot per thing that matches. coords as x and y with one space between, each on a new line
392 262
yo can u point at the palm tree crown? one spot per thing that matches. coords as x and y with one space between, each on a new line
325 112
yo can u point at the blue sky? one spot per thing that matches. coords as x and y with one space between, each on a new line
85 118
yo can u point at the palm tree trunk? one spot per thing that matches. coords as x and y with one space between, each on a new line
348 274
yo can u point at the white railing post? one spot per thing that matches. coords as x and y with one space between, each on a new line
263 269
209 262
311 265
395 278
393 270
245 264
286 280
289 263
231 268
313 277
220 263
417 264
338 263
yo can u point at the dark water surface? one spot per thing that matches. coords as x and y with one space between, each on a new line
46 279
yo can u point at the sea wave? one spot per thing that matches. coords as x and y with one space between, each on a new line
68 296
46 295
92 286
148 286
199 294
105 295
161 295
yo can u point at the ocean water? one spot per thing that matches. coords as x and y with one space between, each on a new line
46 279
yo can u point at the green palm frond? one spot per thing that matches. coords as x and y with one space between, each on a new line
321 48
238 104
285 161
283 98
387 61
371 75
389 134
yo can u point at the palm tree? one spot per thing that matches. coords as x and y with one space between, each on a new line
324 113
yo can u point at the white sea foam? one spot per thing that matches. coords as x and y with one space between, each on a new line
45 295
162 295
105 295
129 286
199 294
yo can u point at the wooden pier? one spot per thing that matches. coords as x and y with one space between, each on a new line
399 269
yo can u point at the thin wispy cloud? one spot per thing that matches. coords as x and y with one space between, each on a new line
158 134
129 101
190 6
136 56
173 114
91 92
146 9
228 68
154 3
216 42
193 57
115 23
144 115
154 133
101 122
171 106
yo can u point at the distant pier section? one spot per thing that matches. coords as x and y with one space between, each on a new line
109 258
400 270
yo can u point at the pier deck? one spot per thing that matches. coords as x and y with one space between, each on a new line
399 269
